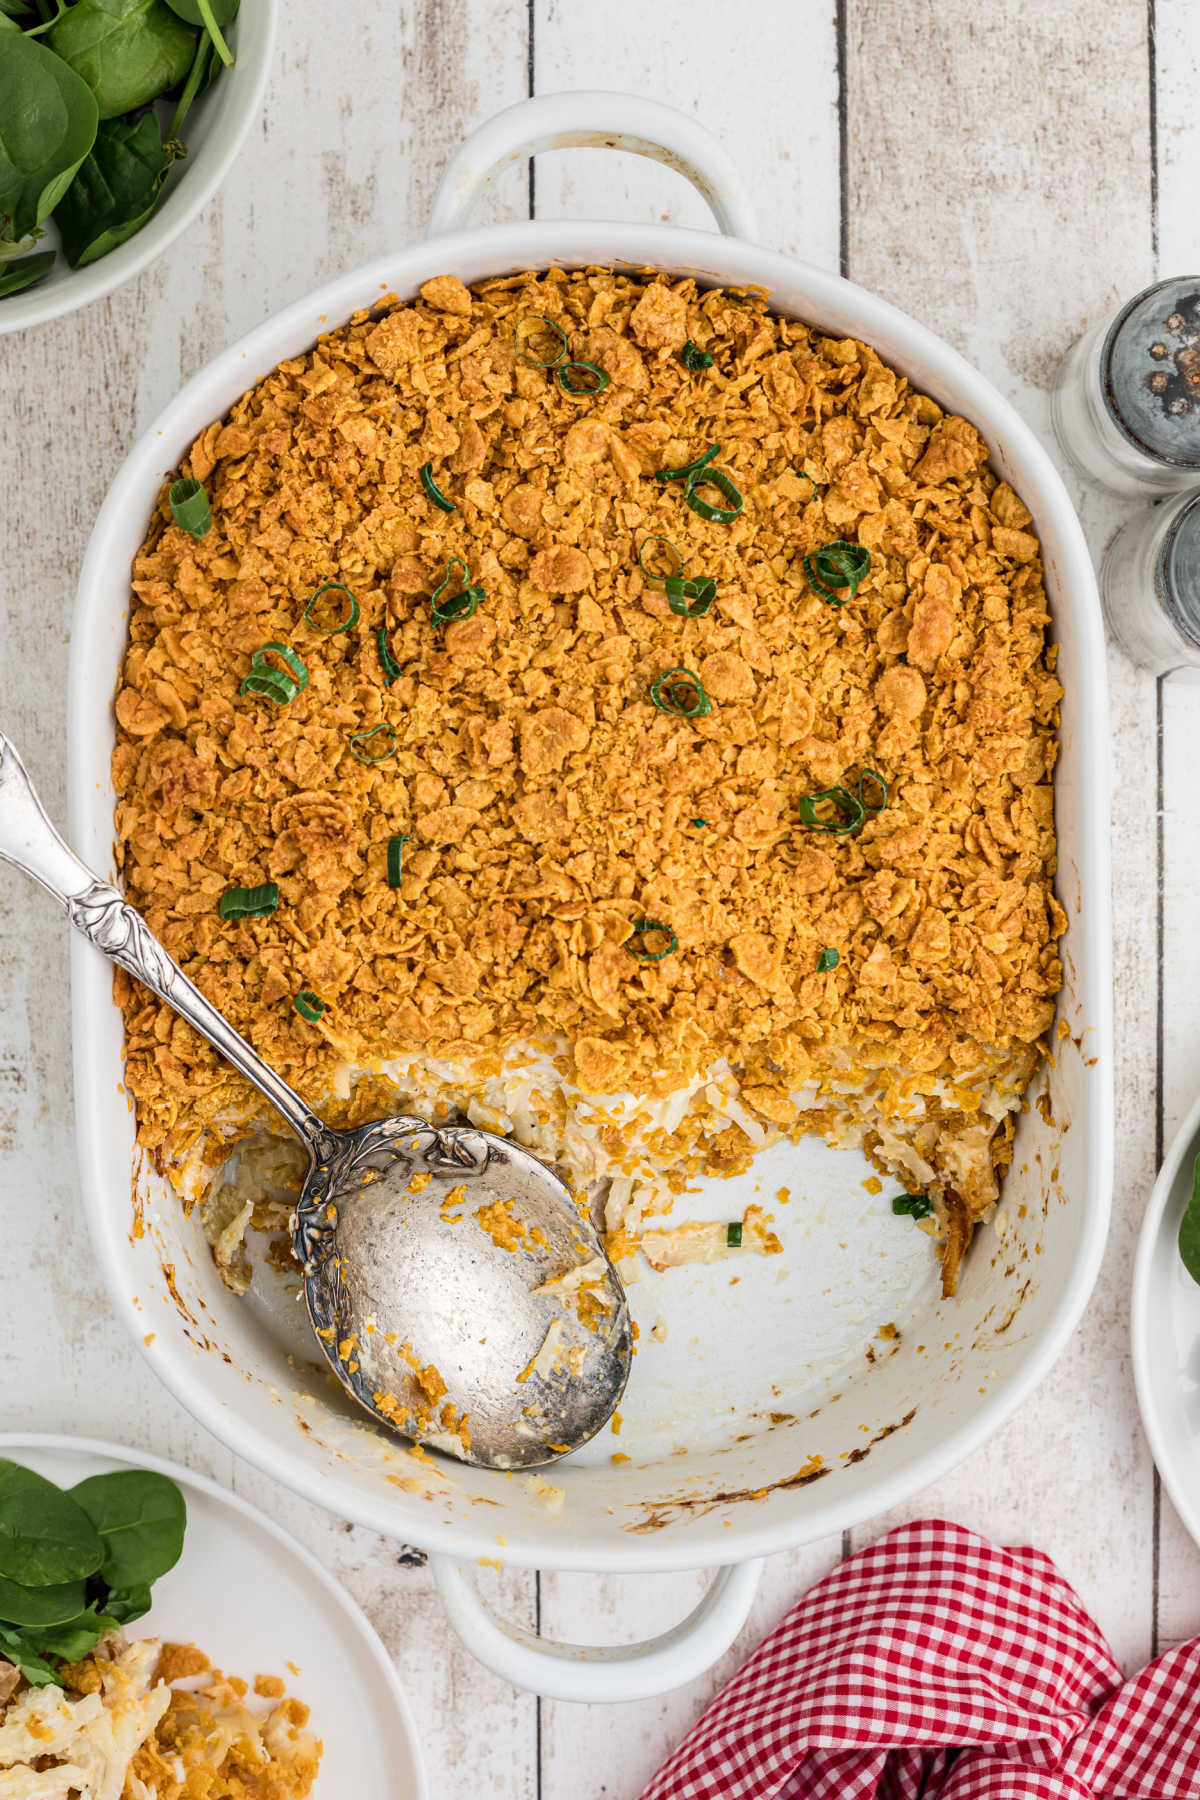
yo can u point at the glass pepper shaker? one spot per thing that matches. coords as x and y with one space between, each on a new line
1126 408
1150 586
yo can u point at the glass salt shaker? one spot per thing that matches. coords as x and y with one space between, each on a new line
1126 408
1150 586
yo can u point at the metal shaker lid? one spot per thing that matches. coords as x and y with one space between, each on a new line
1150 371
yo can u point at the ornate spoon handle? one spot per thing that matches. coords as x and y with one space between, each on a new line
29 841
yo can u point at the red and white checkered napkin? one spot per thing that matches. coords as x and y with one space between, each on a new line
934 1666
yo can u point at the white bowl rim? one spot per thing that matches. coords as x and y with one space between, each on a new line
81 286
538 244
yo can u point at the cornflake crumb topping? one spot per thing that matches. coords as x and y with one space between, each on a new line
548 804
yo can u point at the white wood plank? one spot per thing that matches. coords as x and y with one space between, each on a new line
770 96
764 80
341 167
1178 82
999 190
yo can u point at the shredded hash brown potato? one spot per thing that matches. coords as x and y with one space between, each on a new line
136 1722
549 806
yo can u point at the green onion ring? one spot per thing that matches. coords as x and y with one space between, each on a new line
364 737
828 959
433 490
851 810
694 358
649 573
640 928
562 375
308 1006
272 684
699 821
733 1235
664 686
351 619
395 857
701 592
881 786
249 903
686 469
551 325
387 662
264 679
460 605
716 478
914 1206
189 506
837 565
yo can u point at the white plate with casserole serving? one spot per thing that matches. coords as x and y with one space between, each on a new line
257 1604
766 1415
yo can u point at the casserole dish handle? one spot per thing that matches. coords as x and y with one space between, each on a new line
608 1672
601 121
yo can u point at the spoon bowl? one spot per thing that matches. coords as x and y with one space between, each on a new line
456 1287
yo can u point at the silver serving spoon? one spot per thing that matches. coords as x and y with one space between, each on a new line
457 1290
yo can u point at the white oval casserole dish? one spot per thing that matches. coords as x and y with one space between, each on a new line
720 1471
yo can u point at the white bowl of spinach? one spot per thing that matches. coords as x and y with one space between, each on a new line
118 120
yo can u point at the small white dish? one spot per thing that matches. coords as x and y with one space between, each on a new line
1165 1325
255 1602
217 128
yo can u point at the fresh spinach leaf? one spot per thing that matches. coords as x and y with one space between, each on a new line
74 1637
1189 1228
40 1606
141 1518
25 272
127 51
116 189
48 120
127 1604
205 65
210 15
13 9
33 1666
45 1535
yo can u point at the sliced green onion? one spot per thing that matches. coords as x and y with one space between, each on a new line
724 484
641 927
679 692
813 479
699 821
567 376
189 506
881 788
249 903
364 737
387 662
463 602
690 599
912 1206
308 1006
695 359
849 815
395 858
537 361
733 1234
264 679
351 619
837 565
650 573
433 490
686 469
828 959
272 684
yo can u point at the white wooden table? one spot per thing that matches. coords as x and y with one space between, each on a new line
1005 173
